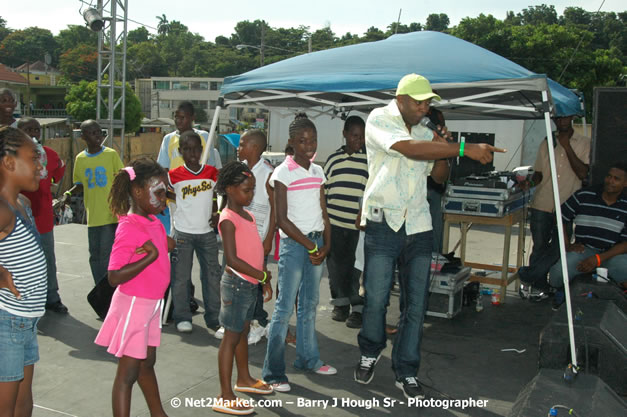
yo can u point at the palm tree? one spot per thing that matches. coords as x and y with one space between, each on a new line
162 26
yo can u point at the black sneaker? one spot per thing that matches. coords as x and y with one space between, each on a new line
411 387
57 307
354 320
365 369
340 313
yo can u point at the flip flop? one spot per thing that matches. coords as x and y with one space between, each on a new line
231 407
257 388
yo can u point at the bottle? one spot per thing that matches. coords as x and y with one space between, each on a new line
496 298
479 306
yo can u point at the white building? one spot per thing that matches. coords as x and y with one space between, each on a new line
160 97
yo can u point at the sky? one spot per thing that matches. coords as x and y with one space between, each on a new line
213 18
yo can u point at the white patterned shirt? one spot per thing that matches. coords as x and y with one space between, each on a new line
396 184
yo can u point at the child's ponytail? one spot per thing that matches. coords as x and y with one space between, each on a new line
140 171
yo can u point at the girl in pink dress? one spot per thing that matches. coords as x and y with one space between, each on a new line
140 268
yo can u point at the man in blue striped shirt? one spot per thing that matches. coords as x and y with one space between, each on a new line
600 218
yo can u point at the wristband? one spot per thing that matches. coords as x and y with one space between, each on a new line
314 250
461 148
598 259
219 212
67 193
265 278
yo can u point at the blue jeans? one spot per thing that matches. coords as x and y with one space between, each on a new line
616 267
18 345
343 280
206 247
434 198
47 244
100 240
238 302
297 275
543 234
383 246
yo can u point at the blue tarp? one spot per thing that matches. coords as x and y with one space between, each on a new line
448 62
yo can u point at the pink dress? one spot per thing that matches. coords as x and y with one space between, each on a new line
134 319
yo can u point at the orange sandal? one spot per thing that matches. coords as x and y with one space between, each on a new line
259 387
237 407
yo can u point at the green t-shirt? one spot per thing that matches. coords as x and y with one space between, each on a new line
96 172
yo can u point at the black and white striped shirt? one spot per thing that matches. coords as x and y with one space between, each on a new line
21 254
598 225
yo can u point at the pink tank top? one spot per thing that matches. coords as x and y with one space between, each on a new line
247 241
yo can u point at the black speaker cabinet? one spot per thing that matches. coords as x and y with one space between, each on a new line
586 286
609 131
600 341
587 395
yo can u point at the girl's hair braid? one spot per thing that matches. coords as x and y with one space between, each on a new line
11 139
120 195
300 123
233 173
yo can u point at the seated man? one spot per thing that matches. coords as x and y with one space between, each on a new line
600 217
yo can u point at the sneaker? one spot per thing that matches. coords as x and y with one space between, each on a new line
220 333
184 327
411 388
365 369
255 333
537 295
326 370
524 291
354 320
281 387
57 307
340 313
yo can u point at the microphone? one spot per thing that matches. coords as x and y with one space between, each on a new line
426 122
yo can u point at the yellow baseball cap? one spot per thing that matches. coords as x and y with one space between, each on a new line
417 87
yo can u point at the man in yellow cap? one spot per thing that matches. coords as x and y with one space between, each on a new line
396 216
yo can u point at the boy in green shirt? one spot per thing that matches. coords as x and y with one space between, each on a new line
94 170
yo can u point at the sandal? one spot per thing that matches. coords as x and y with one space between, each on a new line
237 407
258 387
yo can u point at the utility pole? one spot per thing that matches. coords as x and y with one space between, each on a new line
112 62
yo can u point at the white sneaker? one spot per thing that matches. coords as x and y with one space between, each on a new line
220 333
281 387
255 333
184 327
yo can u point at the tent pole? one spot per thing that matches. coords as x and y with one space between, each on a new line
212 131
560 226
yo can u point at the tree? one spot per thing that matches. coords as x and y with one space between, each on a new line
143 60
81 104
373 34
485 31
138 35
4 30
79 63
533 15
74 36
437 22
28 45
162 26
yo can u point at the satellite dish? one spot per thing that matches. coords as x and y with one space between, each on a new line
47 58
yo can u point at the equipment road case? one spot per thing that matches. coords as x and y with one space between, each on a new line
446 293
480 207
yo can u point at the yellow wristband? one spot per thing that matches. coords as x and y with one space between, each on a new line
67 193
265 277
314 250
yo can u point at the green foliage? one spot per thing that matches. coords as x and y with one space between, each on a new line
4 30
75 36
28 45
437 22
81 104
143 60
138 35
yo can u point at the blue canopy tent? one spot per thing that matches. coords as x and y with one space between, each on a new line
473 82
227 146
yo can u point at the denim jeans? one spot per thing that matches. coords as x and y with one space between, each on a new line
260 314
297 275
100 240
238 302
434 198
383 246
18 345
545 250
543 233
616 267
343 280
205 246
47 244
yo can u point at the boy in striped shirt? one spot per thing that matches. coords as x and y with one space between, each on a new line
600 218
347 173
